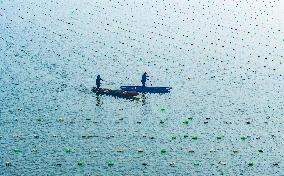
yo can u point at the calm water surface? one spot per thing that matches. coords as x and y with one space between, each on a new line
224 60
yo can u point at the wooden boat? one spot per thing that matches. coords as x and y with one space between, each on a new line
116 93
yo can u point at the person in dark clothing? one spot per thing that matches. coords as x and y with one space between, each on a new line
98 81
144 79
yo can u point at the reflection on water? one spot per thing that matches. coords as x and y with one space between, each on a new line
141 99
99 103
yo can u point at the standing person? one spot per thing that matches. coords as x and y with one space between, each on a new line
144 78
98 81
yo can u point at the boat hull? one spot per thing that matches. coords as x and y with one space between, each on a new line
116 93
146 89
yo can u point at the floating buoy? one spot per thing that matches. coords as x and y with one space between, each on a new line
194 137
39 119
80 163
261 151
185 135
67 150
243 138
190 151
163 109
110 163
196 164
17 151
110 136
8 163
119 150
34 150
163 151
250 163
140 150
174 137
219 137
162 121
190 117
185 122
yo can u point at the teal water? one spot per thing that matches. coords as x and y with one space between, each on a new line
224 60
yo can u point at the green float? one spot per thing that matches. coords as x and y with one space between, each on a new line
163 151
194 137
80 163
39 119
250 163
219 137
17 151
110 163
67 150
